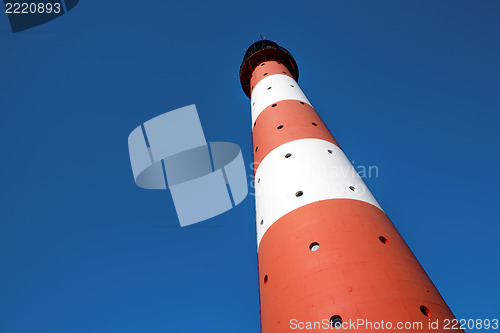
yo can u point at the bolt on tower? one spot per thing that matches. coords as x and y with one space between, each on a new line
327 252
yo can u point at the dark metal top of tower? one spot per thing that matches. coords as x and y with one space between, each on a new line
265 50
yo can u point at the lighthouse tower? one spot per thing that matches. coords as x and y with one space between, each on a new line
328 254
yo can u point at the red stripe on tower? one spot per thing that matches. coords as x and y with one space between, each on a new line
327 251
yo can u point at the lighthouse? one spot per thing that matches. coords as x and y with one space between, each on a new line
328 255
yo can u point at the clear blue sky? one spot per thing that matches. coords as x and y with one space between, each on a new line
411 87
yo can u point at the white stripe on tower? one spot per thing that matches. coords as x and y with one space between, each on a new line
272 89
300 172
